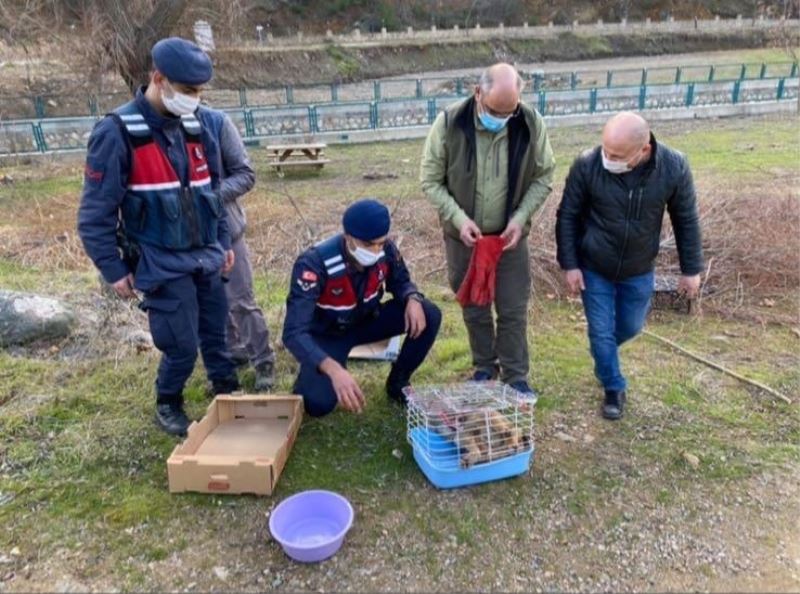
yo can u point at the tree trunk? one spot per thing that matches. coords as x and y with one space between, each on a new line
131 44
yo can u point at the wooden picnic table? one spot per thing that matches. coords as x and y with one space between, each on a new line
297 155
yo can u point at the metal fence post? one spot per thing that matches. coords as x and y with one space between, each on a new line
763 73
793 73
92 105
678 74
289 94
373 115
735 96
313 124
542 101
243 97
609 78
743 73
573 80
38 136
334 92
431 110
689 94
249 124
779 92
711 74
459 86
644 76
537 82
376 90
592 100
642 96
418 91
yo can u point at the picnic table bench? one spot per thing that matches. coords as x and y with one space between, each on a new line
297 155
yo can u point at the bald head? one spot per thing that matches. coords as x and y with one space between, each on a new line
499 89
626 137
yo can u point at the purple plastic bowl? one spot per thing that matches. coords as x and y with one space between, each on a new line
311 525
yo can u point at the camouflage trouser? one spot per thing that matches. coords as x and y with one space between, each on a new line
247 331
506 341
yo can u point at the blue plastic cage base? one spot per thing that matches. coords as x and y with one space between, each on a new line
444 471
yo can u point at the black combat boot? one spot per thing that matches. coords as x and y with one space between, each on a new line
614 404
170 415
395 383
227 385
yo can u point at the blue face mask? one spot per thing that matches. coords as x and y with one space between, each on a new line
493 123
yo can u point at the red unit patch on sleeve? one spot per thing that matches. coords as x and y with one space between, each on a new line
309 276
93 175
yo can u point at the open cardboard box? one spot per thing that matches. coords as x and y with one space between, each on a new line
240 446
383 350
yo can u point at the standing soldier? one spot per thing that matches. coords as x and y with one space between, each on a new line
152 176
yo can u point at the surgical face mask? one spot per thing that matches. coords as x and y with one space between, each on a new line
493 123
179 104
614 166
366 257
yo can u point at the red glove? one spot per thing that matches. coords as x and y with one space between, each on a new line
478 285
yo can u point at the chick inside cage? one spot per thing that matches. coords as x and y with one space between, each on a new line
464 426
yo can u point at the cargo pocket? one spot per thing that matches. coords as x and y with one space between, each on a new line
134 213
171 234
211 207
169 325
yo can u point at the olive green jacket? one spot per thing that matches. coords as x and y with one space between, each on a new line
465 169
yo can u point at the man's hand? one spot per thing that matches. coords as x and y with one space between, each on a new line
470 233
574 280
511 235
689 286
415 318
124 287
348 393
227 266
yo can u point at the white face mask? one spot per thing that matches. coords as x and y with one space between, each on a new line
365 257
614 166
179 104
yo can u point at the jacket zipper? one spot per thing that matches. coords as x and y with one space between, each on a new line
625 236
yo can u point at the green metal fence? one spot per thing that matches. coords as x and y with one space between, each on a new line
256 123
45 106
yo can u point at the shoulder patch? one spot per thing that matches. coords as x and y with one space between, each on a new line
309 276
92 174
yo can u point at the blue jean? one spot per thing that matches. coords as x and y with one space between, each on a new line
616 312
316 388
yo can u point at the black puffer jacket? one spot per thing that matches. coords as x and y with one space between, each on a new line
611 229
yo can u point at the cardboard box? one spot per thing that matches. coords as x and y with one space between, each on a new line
383 350
240 446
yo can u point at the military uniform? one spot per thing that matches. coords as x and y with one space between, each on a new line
153 180
335 305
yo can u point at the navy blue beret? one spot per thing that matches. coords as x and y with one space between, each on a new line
366 220
182 61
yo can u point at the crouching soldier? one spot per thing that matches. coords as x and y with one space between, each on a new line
334 304
152 173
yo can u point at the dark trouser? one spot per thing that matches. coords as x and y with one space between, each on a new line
615 312
247 330
184 313
508 342
316 387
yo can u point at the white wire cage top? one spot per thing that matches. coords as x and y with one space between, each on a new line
465 397
458 426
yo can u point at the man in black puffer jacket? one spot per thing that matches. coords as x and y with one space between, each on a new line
608 233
